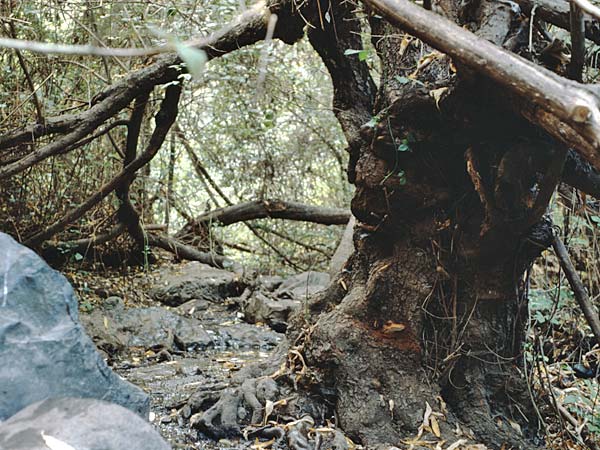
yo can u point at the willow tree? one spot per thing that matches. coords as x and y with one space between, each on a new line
455 155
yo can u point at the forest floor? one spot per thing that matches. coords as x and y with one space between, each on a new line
169 370
172 350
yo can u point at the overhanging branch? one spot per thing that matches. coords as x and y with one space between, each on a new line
275 209
567 110
164 119
248 28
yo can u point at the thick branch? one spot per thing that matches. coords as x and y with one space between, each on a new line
577 43
579 174
164 119
275 209
126 212
82 245
565 109
186 251
353 87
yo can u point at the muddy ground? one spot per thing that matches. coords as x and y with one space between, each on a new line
175 329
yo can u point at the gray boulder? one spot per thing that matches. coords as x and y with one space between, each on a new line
302 285
43 348
275 308
82 424
260 308
196 281
114 328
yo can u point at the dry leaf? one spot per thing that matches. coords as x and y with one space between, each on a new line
435 427
391 327
269 405
404 44
457 444
437 94
427 414
260 445
516 427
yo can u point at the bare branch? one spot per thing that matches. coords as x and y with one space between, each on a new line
577 42
81 50
164 120
567 110
275 209
187 252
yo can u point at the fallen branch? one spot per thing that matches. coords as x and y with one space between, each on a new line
187 252
578 289
83 245
274 209
567 110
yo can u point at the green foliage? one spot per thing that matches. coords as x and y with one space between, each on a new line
281 143
362 54
543 307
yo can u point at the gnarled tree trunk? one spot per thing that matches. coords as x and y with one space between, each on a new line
432 305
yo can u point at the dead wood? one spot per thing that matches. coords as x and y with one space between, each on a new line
557 12
187 252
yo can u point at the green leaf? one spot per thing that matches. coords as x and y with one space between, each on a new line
78 256
402 80
362 54
374 121
404 147
193 58
402 177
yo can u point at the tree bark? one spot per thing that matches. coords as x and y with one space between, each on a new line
431 304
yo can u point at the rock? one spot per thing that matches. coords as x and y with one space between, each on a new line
261 308
49 353
269 282
79 423
244 335
344 249
114 328
275 308
302 285
203 310
196 281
